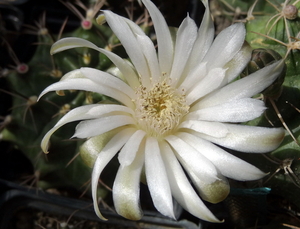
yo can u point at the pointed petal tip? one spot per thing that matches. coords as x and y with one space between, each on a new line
216 220
169 214
40 96
211 219
98 213
260 175
95 203
45 144
253 176
276 139
60 45
45 149
54 47
71 42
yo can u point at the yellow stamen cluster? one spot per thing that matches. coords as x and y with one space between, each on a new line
159 109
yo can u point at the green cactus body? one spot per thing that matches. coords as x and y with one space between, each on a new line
31 120
261 34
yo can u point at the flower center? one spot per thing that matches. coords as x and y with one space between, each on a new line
159 109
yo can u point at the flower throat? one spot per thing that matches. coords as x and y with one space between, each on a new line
160 108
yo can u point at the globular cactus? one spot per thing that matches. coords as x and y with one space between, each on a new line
273 27
270 25
28 119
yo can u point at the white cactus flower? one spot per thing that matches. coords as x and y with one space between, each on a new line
177 106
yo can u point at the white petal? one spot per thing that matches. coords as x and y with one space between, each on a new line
249 139
126 189
210 183
90 149
74 42
238 62
186 36
193 161
75 74
107 153
215 129
136 29
76 114
225 46
211 82
157 179
198 73
81 113
229 165
100 109
108 80
148 49
243 88
241 110
205 37
164 40
181 188
128 152
129 42
150 54
89 85
90 128
203 42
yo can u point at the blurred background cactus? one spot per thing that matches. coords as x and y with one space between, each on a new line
29 28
